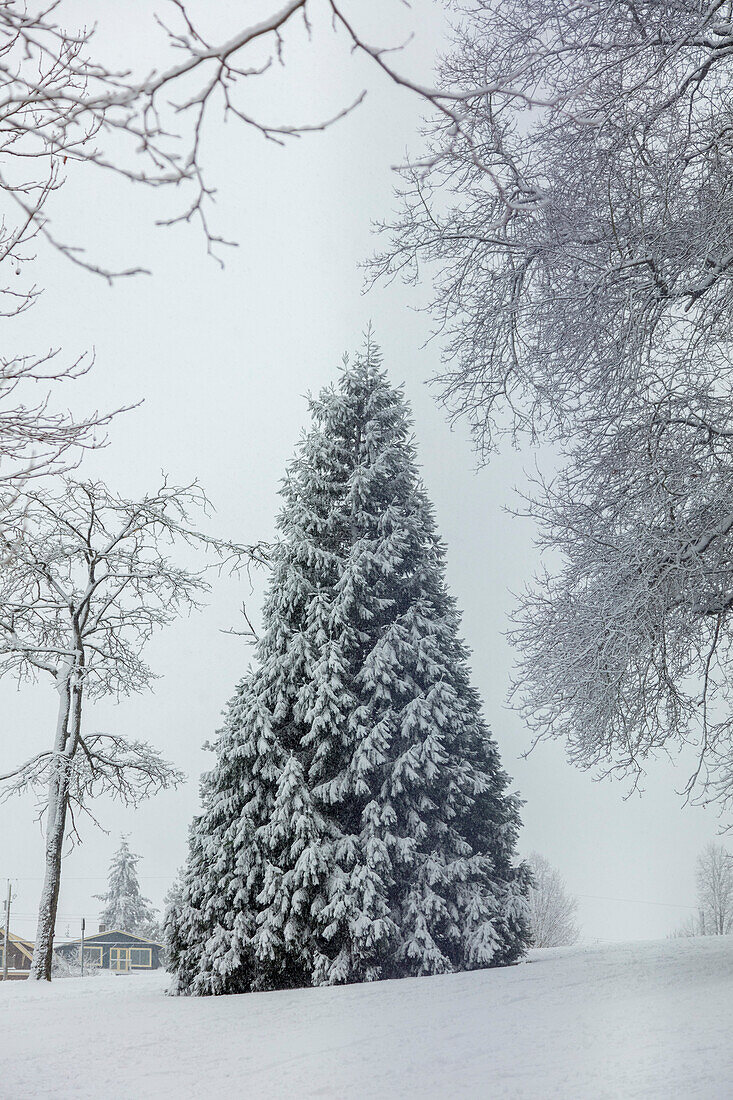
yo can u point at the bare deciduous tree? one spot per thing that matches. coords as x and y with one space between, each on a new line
86 581
551 909
714 877
580 230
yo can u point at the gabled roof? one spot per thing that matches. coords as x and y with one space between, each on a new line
24 946
111 932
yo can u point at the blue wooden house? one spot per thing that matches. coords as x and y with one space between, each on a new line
116 950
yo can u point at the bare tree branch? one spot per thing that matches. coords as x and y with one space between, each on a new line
579 230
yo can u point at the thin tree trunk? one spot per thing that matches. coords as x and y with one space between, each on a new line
43 950
58 791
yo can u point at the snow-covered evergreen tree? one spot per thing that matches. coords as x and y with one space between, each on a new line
124 906
357 823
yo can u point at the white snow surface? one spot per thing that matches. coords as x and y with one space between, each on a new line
627 1020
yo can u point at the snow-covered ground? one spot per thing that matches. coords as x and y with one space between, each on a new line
641 1019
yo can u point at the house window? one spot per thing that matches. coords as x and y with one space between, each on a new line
93 956
141 956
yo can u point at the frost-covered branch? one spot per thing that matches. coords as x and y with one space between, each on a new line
65 109
103 763
626 647
36 439
62 104
578 225
579 231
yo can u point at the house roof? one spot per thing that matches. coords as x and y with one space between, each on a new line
24 946
111 932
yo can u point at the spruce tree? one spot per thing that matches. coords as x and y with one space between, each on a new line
357 823
124 906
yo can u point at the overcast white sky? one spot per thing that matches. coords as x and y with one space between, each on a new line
222 359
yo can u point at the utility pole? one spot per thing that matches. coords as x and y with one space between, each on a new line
83 926
7 932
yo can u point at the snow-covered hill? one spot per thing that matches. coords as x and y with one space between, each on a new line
642 1019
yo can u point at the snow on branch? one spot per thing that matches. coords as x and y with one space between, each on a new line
105 763
63 104
88 572
576 223
578 230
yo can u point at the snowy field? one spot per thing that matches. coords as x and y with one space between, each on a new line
642 1020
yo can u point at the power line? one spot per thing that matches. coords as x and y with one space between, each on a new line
639 901
59 916
86 878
